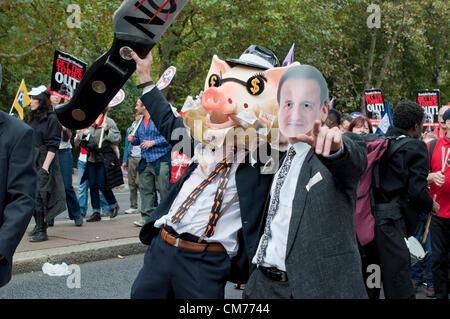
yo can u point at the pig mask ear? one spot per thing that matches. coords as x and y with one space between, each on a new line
275 74
218 67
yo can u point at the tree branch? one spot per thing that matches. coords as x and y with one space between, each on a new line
18 56
368 83
387 58
21 55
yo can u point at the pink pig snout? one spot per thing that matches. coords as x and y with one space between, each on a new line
214 100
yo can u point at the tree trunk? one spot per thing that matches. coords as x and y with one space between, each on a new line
387 58
368 84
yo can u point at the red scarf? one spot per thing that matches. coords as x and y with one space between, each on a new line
99 122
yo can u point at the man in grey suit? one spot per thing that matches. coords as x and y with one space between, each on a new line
308 247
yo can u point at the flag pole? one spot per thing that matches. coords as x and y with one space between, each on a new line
10 111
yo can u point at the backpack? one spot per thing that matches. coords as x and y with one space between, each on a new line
378 147
431 150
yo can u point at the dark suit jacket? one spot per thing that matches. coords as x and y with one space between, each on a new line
322 258
17 187
252 186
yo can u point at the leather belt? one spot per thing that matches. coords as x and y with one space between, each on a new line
273 273
177 242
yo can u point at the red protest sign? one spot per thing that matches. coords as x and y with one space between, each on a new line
66 74
374 105
429 100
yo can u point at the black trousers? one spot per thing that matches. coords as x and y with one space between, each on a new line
369 256
171 272
261 287
394 259
440 246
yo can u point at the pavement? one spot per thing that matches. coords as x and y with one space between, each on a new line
76 245
95 241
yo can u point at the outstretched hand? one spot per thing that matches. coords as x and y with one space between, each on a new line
143 66
324 140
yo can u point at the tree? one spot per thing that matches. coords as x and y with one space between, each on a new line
407 53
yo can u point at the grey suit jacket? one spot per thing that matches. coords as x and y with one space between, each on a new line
322 258
17 187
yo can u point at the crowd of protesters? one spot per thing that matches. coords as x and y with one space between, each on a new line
97 167
414 184
419 164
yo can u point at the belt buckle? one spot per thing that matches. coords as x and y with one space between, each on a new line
177 242
283 276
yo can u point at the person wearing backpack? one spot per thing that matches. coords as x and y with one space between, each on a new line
439 179
399 198
364 220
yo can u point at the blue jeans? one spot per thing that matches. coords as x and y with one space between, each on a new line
417 275
83 191
96 176
66 164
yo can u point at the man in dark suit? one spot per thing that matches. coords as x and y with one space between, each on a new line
17 188
178 263
313 196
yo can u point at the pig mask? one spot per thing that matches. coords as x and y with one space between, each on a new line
238 105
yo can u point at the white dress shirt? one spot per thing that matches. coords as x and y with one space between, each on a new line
195 221
275 255
276 248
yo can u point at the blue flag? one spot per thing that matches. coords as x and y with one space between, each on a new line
386 120
289 59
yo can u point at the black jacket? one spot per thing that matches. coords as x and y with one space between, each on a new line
404 175
50 185
252 186
113 171
17 187
47 132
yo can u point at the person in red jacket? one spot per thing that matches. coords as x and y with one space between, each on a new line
440 224
440 130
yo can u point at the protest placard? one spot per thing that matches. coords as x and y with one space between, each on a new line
429 100
66 74
374 105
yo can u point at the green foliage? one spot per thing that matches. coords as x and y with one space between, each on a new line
331 35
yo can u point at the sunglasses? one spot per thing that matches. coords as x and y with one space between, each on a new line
255 84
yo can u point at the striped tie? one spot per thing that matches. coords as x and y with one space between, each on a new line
223 169
274 203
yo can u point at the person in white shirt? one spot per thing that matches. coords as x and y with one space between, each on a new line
308 248
202 233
